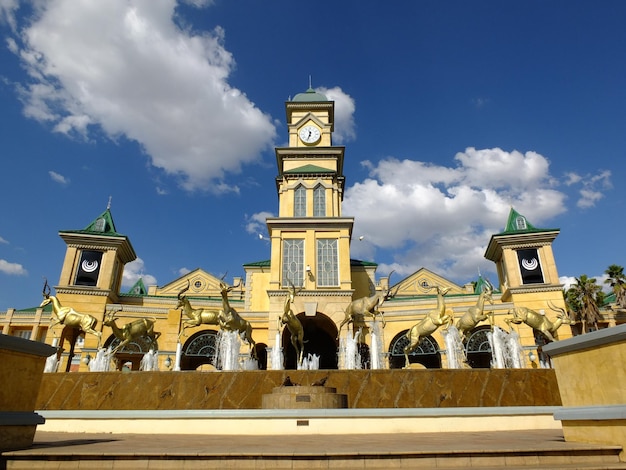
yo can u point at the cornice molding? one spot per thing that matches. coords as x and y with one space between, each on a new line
312 293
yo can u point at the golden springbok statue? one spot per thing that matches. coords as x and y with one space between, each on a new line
231 321
67 316
367 307
196 316
142 327
475 314
538 320
293 323
429 324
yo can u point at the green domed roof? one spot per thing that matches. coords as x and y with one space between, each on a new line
310 95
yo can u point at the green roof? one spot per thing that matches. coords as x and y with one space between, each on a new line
138 288
103 224
259 264
310 96
358 262
517 223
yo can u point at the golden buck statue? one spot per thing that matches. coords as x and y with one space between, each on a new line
538 320
230 320
196 316
429 324
293 323
67 316
358 309
140 328
475 314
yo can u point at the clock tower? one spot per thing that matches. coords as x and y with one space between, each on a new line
310 239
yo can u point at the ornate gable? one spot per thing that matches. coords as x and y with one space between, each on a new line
201 284
422 282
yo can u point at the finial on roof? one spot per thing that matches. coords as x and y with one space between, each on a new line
109 203
310 86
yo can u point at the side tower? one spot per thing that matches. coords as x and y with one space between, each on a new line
94 263
526 267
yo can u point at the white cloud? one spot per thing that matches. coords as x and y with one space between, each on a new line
133 271
592 188
7 12
442 218
2 240
345 128
58 178
12 269
255 224
128 69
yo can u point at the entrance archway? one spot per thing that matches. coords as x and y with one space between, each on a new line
199 349
478 349
133 352
320 334
426 353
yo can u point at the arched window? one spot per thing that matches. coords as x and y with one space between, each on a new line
299 203
319 201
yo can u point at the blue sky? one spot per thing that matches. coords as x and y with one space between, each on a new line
452 112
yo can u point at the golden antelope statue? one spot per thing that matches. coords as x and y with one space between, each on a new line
67 316
358 309
293 323
538 320
475 314
197 316
429 324
231 321
142 327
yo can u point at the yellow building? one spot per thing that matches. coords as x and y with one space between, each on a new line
310 249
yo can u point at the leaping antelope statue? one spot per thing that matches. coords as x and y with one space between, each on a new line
142 327
475 314
538 320
293 323
367 306
429 324
196 316
231 321
67 316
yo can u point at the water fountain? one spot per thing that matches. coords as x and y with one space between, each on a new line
506 349
454 347
102 361
150 361
349 356
376 348
276 354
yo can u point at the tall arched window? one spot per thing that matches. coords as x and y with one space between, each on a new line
299 203
319 201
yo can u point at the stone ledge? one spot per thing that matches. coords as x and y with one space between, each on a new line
591 413
587 341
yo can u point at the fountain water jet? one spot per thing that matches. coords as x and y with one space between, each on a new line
149 361
454 347
102 361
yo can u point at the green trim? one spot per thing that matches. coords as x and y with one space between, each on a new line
259 264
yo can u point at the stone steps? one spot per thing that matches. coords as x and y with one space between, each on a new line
529 449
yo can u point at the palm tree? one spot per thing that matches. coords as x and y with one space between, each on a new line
583 299
617 280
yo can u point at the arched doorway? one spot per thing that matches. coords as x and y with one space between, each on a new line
478 348
426 353
133 352
199 349
320 338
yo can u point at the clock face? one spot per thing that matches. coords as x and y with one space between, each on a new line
309 134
